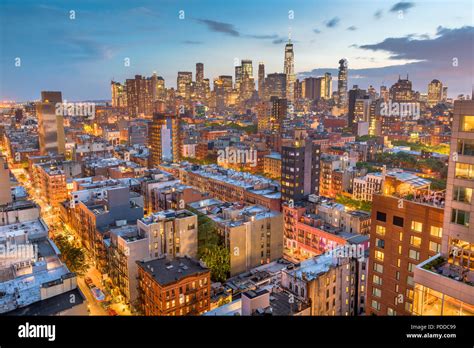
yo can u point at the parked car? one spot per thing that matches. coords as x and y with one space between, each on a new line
98 294
88 281
112 312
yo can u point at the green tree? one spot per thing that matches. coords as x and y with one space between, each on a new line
73 256
217 259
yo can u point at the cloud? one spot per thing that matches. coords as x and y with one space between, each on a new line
219 27
402 6
378 14
352 28
333 22
316 31
447 56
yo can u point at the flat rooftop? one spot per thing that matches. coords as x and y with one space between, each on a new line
166 271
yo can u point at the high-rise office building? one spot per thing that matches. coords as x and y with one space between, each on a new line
342 84
199 72
164 139
139 95
401 91
50 124
247 84
184 82
289 70
299 169
275 85
444 284
435 92
261 81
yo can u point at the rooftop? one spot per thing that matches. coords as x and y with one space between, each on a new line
166 271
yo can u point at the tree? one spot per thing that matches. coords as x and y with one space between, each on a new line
217 259
73 256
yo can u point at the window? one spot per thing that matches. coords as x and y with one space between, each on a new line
379 243
376 292
377 280
379 255
462 194
398 221
411 266
380 230
466 147
460 217
467 123
378 267
435 247
436 231
416 226
415 241
414 254
391 312
381 216
464 171
375 305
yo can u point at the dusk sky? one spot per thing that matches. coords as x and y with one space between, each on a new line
79 57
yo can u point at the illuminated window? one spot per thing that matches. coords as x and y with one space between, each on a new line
379 255
436 231
467 123
464 171
416 226
380 230
462 194
415 241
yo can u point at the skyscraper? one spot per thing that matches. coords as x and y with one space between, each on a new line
183 85
435 92
140 95
247 85
275 85
50 124
199 72
289 70
342 84
119 95
261 81
401 91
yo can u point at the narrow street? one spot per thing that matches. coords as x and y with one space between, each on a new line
51 220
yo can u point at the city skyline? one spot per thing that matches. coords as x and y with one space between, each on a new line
81 61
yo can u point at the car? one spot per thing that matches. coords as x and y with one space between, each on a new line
98 294
112 312
88 281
